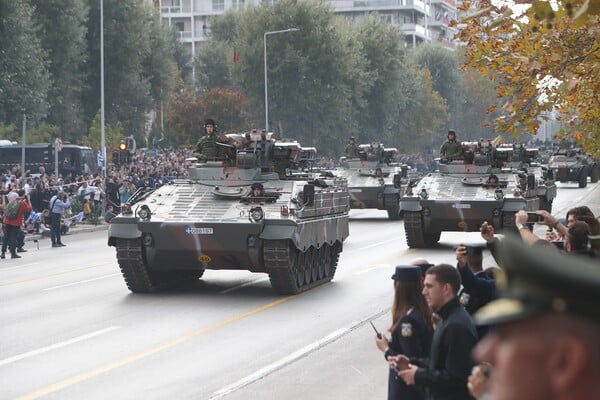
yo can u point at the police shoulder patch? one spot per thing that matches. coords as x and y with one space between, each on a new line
406 329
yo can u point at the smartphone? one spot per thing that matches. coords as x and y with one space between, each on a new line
484 227
532 217
375 329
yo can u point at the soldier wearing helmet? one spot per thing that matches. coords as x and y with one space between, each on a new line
451 149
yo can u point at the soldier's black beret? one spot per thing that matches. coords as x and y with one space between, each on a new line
407 273
538 281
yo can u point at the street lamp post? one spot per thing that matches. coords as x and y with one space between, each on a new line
266 87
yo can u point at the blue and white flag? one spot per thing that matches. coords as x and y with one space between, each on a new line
100 159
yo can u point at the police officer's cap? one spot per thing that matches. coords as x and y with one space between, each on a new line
407 273
209 121
538 281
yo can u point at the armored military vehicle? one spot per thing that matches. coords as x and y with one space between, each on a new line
528 160
463 194
374 180
573 165
293 228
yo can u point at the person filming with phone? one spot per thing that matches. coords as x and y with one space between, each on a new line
411 330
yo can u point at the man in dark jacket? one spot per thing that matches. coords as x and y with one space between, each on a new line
444 374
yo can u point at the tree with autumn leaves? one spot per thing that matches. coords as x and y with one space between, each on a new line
188 109
544 59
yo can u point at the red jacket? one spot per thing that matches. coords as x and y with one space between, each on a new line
18 220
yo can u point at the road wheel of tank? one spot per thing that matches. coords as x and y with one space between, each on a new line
413 228
301 265
315 264
326 260
308 264
133 266
582 179
320 261
595 173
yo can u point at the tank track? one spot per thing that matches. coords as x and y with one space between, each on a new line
394 213
292 271
133 267
137 277
416 237
413 228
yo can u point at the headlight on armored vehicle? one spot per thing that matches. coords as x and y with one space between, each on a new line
256 214
144 213
498 194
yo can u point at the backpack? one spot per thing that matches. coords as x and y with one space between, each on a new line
12 209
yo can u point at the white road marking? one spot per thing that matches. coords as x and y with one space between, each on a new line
261 373
243 285
80 282
278 364
57 345
364 271
373 245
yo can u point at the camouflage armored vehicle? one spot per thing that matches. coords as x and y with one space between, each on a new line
292 228
374 181
528 160
573 165
464 193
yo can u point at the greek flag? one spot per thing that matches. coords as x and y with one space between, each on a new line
100 159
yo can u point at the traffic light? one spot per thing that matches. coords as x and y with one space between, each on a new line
116 157
123 145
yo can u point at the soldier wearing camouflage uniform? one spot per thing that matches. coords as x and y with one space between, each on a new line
207 145
451 149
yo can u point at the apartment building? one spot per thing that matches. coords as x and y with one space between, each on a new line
419 20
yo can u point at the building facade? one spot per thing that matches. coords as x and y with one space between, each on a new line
419 20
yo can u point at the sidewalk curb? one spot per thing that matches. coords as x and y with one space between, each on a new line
72 231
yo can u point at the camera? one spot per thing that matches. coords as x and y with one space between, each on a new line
532 217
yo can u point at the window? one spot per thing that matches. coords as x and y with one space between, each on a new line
180 26
218 5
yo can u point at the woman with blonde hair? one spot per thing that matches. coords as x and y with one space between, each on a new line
411 330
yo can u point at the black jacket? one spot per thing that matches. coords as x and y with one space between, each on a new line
444 375
412 337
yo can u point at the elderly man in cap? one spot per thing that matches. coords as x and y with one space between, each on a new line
546 338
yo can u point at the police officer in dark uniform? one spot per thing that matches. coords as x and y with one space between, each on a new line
444 374
411 329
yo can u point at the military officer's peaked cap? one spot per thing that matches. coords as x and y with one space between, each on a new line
407 273
538 281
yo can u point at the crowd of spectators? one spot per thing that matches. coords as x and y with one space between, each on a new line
462 364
